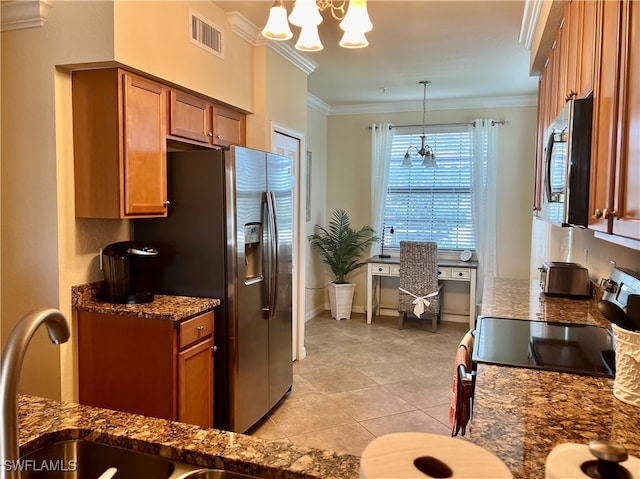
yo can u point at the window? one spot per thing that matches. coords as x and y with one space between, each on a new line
431 204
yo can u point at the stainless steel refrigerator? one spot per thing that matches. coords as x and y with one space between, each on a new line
229 235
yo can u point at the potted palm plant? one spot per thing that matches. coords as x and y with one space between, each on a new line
341 248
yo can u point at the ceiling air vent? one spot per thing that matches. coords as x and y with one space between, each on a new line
206 35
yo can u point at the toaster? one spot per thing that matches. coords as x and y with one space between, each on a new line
564 279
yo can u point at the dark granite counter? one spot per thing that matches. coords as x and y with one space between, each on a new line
522 414
43 421
172 308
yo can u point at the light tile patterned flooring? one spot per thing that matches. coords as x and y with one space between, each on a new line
361 381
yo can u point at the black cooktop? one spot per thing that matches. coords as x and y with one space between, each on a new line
562 347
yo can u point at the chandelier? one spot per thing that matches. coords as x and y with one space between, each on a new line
425 151
354 22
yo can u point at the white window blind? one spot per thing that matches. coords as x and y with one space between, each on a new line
431 204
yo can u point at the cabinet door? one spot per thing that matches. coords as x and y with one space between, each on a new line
587 39
229 127
572 17
189 117
195 384
627 190
605 124
540 140
145 151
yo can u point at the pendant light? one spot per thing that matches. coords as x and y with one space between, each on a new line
425 151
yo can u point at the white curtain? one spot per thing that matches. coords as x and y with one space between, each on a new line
381 141
483 187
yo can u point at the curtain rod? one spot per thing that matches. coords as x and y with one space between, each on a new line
472 123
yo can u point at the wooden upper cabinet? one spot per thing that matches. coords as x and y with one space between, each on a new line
587 28
189 117
540 142
119 139
572 17
626 220
198 120
605 117
229 127
145 151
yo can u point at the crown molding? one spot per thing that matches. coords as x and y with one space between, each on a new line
249 32
317 104
437 104
23 14
530 18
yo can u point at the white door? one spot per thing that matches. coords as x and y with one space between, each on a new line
289 143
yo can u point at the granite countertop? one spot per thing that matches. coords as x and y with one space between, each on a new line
172 308
522 414
43 421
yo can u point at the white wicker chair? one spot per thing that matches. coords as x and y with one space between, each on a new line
418 282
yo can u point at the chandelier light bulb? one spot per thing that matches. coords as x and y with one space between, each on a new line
357 18
309 40
277 27
305 13
353 39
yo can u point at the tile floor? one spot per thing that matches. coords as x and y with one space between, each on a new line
361 381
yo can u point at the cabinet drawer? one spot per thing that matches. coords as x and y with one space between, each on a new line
195 329
380 269
444 273
460 273
395 269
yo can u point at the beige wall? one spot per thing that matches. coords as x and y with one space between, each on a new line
45 249
315 271
348 184
154 38
555 243
31 223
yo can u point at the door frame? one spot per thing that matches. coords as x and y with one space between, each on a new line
299 218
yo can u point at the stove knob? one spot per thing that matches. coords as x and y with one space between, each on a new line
608 285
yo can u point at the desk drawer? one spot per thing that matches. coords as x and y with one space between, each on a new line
460 273
381 268
444 273
395 270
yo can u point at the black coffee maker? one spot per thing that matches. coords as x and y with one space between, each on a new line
130 270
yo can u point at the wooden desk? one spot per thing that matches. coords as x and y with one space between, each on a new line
448 270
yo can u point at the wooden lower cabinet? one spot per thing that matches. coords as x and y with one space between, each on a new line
149 366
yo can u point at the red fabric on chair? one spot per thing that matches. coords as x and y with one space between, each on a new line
460 409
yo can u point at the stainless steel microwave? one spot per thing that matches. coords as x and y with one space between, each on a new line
567 165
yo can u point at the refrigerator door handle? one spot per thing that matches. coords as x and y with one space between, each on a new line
273 243
266 257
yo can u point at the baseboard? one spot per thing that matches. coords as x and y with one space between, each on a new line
315 312
449 317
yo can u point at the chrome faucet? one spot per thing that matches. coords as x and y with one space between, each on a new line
12 357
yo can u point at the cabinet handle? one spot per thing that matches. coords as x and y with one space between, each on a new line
571 95
459 274
607 213
597 213
218 137
214 348
200 328
166 203
209 133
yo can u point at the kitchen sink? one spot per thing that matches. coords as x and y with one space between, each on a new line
78 459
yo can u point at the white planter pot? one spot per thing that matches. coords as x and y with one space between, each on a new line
341 299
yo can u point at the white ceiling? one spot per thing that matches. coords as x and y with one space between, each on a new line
469 50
